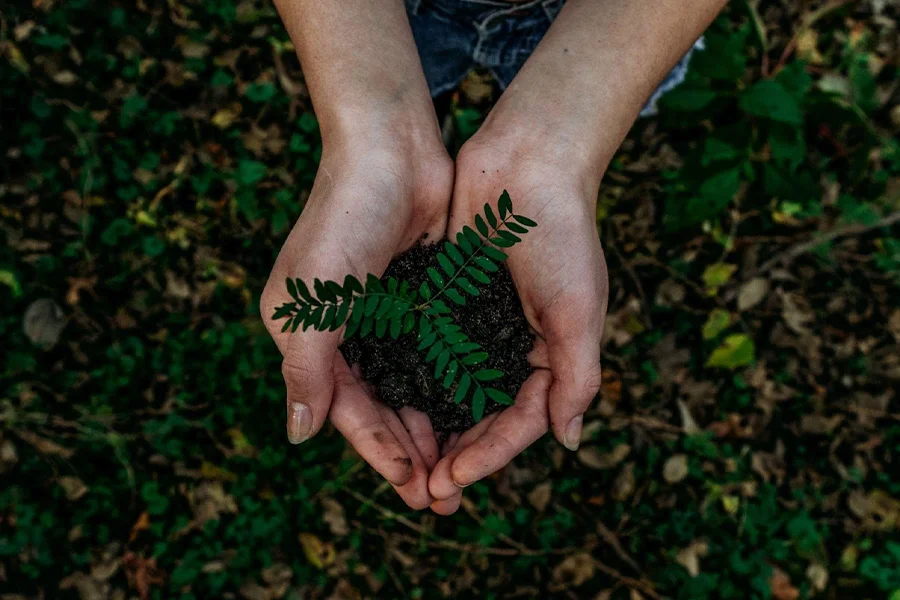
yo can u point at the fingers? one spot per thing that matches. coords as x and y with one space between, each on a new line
308 374
357 417
447 507
515 429
415 491
493 443
420 430
441 484
575 364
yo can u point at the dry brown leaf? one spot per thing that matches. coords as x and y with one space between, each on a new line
676 468
43 323
573 571
590 456
752 293
319 554
73 487
689 557
334 517
781 587
623 486
539 497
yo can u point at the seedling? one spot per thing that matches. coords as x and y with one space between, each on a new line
391 308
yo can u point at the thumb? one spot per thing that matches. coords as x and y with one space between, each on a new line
575 365
308 370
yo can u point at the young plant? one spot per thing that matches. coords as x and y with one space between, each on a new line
392 308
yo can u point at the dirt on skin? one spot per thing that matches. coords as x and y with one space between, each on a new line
399 373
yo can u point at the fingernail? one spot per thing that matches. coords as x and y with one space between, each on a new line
573 433
299 422
460 485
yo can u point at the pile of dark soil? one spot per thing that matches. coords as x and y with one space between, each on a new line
400 374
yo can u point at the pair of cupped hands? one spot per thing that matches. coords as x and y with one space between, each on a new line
376 195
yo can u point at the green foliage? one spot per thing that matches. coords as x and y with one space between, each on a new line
392 308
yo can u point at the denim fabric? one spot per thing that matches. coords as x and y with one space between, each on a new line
453 36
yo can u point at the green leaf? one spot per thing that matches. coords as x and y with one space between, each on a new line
314 319
475 358
486 264
386 304
463 242
525 221
323 292
424 326
328 317
467 286
436 349
717 275
451 374
455 296
341 316
509 237
371 305
478 405
426 341
373 285
465 347
718 321
366 328
335 288
352 285
304 291
683 99
504 204
494 254
442 360
439 307
478 275
425 290
502 242
517 228
491 217
381 328
292 289
352 326
446 265
284 310
396 326
487 374
464 382
473 237
260 92
435 277
736 351
498 396
482 226
287 324
454 253
250 172
455 338
409 322
768 99
296 324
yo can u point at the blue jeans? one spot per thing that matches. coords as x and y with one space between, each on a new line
453 36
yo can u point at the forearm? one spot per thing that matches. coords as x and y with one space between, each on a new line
362 69
589 77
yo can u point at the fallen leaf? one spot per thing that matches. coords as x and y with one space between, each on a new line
43 323
752 293
318 553
73 487
209 500
623 486
574 571
539 497
717 275
676 468
736 351
688 424
334 517
689 557
817 576
590 456
780 585
718 321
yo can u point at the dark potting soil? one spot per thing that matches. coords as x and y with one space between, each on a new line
399 372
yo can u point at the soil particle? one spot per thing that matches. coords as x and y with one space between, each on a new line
400 374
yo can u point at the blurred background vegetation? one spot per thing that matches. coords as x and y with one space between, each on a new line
746 440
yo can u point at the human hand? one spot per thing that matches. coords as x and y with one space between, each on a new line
366 206
560 275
